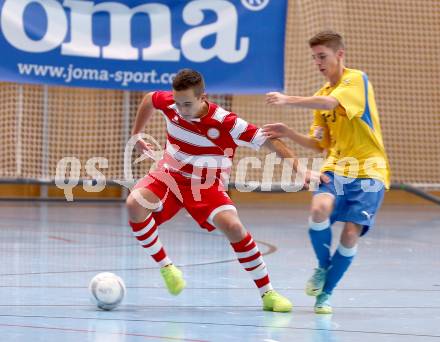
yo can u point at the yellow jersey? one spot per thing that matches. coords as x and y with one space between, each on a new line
351 132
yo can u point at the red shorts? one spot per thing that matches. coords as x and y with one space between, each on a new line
177 192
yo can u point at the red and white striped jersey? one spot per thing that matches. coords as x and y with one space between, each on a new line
205 147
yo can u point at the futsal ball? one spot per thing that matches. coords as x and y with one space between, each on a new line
107 290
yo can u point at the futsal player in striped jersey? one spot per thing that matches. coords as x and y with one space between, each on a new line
346 126
201 141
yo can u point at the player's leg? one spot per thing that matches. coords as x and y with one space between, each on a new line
320 235
214 209
360 208
144 225
340 263
343 255
149 205
249 257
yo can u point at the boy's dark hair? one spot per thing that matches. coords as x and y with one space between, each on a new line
328 38
189 79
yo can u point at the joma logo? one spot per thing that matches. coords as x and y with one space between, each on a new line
228 46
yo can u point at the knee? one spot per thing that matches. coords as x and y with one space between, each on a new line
136 211
130 203
320 212
233 229
350 237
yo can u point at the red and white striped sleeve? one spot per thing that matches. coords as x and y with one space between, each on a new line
244 133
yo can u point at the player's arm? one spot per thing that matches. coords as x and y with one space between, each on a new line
311 102
281 130
145 111
276 145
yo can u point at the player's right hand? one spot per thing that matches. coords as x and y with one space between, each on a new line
276 98
313 179
276 130
145 148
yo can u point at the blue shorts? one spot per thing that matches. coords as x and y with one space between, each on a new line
357 200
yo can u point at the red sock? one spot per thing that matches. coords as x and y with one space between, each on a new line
252 261
147 234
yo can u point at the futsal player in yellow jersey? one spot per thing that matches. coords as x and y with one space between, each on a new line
346 127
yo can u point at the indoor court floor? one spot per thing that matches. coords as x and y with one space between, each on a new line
50 251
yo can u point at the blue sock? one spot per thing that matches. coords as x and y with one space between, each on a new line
321 237
339 264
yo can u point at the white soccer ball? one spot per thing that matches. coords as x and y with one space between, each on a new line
107 290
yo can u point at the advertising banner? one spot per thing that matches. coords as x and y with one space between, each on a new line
238 45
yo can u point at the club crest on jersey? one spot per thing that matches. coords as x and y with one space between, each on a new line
213 133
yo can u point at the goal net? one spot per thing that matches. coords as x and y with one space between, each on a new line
396 42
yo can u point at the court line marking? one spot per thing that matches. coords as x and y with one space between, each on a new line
128 306
59 238
227 324
94 331
271 249
217 288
